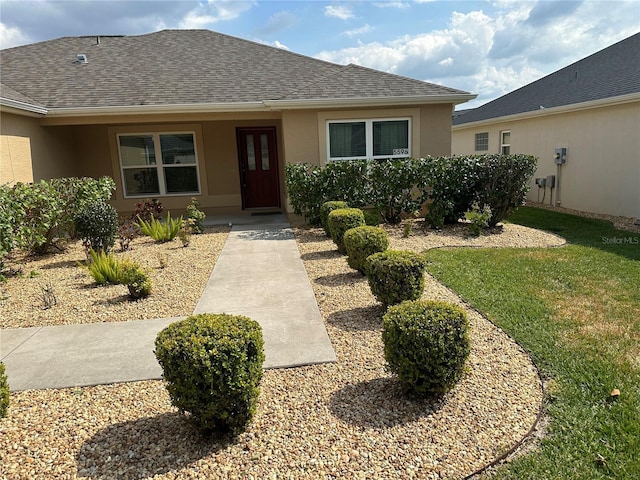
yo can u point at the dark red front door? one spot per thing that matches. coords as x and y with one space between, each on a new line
258 157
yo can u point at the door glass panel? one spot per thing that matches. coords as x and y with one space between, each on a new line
141 181
251 153
264 145
137 150
178 149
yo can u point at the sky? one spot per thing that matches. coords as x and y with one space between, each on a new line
488 48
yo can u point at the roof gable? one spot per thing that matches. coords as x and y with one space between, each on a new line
611 72
186 67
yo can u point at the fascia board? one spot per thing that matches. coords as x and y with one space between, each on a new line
543 112
367 101
23 108
157 109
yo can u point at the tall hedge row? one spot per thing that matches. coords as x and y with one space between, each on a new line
402 186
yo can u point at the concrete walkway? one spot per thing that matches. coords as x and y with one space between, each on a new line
259 274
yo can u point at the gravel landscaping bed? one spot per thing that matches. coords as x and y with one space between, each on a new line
342 420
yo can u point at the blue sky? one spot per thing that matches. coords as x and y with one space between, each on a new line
485 47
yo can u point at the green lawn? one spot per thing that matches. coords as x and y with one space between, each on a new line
576 310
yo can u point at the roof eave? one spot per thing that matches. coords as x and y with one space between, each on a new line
301 104
21 108
573 107
156 109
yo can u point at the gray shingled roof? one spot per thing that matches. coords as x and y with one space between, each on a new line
608 73
175 67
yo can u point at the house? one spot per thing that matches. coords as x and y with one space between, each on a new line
182 113
583 124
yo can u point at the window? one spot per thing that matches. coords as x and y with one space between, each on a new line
482 141
354 139
505 142
158 164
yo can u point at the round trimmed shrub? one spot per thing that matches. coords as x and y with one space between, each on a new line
97 226
426 344
213 366
360 242
137 281
341 220
395 276
325 210
4 392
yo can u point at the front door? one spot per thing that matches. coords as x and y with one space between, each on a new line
258 157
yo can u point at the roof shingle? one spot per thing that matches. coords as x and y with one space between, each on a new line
180 67
611 72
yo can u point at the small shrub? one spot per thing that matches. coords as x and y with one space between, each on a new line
49 298
212 364
360 242
106 269
148 209
326 209
127 231
161 231
4 392
478 218
195 217
185 232
395 276
341 220
137 281
426 343
97 226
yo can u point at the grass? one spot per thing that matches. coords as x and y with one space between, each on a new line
576 310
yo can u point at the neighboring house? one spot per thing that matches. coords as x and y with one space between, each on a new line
592 109
182 113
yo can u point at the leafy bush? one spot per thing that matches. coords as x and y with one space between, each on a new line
372 218
397 186
4 392
213 366
161 231
127 231
195 217
326 209
341 220
426 343
360 242
148 209
137 281
499 181
478 218
97 226
395 276
42 213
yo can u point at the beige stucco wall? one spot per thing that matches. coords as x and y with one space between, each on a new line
29 152
602 173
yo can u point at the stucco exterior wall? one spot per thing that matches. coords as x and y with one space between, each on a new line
602 173
29 152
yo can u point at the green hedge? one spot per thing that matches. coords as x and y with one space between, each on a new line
395 276
213 366
400 187
426 343
4 392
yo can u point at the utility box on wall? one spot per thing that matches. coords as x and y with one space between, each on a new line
561 156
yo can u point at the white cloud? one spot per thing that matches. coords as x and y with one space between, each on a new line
392 4
277 44
338 11
358 31
214 11
11 36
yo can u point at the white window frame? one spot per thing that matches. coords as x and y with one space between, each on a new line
369 138
475 140
502 144
159 166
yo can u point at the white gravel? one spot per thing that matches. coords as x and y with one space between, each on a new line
343 420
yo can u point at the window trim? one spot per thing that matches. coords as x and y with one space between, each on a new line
368 137
159 166
502 144
485 145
